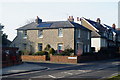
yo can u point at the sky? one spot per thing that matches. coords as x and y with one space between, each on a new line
15 14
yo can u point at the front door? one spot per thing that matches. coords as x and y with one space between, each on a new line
79 48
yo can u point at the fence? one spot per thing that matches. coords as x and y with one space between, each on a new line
10 56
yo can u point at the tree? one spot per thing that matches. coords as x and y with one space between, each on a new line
5 41
47 48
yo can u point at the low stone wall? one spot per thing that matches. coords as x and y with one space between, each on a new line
63 59
33 58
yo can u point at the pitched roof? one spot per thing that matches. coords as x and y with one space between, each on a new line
78 25
110 28
97 25
52 24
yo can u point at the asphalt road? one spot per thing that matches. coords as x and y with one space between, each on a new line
88 70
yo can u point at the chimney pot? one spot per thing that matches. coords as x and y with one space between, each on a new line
71 18
98 20
113 26
78 19
38 20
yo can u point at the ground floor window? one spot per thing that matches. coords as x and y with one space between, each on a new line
88 48
79 48
85 48
25 46
39 46
60 47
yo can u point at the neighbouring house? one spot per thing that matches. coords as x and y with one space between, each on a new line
118 37
98 34
59 34
112 35
1 32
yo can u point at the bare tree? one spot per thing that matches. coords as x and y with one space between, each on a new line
30 21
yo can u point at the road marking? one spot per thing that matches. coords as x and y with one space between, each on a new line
115 74
68 73
51 76
20 74
37 71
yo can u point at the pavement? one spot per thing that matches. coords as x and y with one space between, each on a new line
21 68
53 70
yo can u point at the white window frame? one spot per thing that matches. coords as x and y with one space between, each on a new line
60 45
60 32
40 33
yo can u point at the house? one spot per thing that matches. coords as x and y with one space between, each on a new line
112 35
1 32
118 37
98 34
59 34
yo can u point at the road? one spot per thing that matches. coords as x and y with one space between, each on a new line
91 70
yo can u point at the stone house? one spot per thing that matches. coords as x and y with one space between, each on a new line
60 35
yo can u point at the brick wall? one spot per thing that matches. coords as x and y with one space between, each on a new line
62 59
33 58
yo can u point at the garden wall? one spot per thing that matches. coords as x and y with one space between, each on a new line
63 59
33 58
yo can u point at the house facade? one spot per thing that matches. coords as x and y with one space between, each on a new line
60 35
99 33
111 35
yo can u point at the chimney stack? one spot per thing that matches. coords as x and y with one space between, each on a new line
113 26
78 19
98 20
38 20
71 18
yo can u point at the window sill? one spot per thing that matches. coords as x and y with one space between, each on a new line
60 36
24 37
40 37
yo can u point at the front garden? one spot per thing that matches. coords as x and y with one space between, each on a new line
64 56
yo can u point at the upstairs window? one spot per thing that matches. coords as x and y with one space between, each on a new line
88 36
60 32
25 34
78 33
40 33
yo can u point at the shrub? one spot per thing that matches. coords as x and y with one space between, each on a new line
47 48
67 52
40 53
93 49
25 52
88 54
52 51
